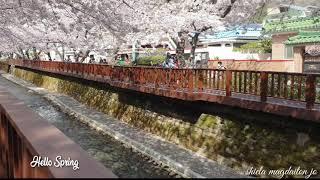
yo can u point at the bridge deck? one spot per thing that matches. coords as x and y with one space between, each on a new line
287 94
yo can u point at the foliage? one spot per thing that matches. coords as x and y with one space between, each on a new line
148 60
262 46
152 57
156 52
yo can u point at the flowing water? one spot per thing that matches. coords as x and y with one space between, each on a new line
111 153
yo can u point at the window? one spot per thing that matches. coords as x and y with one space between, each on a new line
159 46
237 45
204 56
214 45
146 46
284 9
213 1
288 52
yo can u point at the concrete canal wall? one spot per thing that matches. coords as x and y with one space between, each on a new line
240 140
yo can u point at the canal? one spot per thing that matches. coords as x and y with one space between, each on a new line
233 137
111 153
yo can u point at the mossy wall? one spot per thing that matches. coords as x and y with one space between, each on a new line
4 67
229 141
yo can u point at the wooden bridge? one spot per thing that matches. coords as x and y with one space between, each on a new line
287 94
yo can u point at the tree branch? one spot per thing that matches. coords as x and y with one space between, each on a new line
194 26
6 8
228 9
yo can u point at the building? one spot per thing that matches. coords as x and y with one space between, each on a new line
287 23
282 29
306 60
285 12
222 45
137 49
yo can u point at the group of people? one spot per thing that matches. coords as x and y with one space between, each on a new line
101 61
171 62
122 59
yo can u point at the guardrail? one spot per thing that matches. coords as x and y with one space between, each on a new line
25 136
289 86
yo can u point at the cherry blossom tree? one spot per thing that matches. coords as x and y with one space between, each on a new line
42 24
96 24
191 17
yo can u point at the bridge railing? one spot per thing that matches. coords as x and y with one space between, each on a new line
289 86
25 136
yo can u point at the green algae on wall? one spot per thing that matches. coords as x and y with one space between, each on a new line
239 145
4 67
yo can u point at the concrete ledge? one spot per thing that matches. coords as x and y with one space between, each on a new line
180 160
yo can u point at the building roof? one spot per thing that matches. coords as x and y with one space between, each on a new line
305 38
246 32
293 25
292 12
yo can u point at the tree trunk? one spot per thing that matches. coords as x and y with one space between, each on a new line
194 43
180 49
85 56
28 55
49 56
22 53
11 55
63 53
35 54
76 57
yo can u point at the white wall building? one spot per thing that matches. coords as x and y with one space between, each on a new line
222 45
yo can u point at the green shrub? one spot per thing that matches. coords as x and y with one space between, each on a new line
147 60
262 46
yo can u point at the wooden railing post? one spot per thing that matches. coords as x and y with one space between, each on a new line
156 77
310 91
190 80
228 82
200 79
263 86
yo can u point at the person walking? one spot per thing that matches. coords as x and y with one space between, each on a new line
171 63
220 66
92 60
